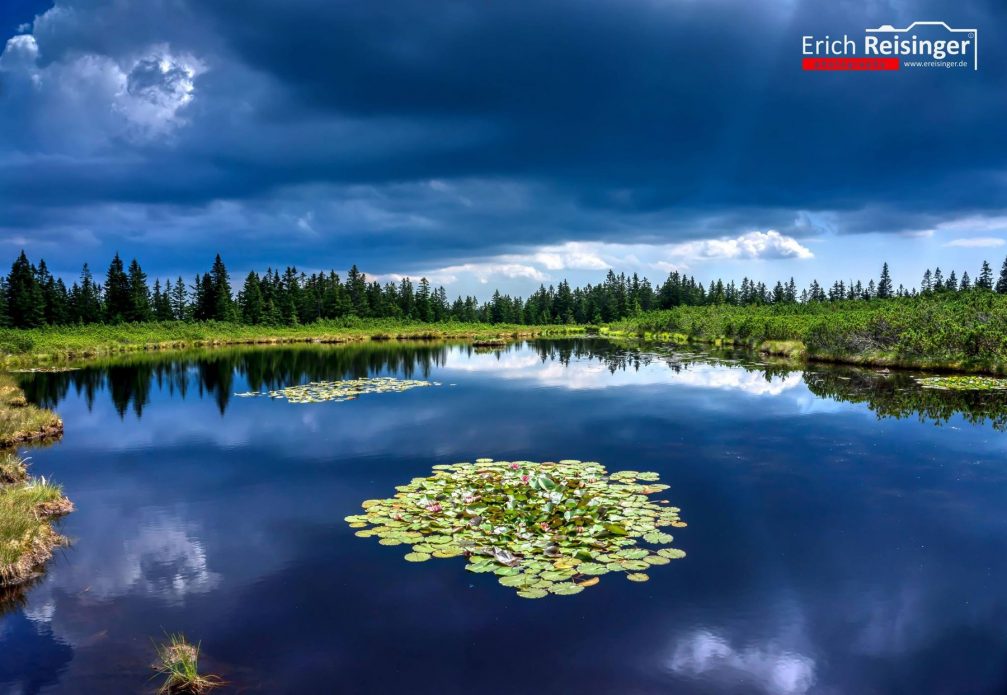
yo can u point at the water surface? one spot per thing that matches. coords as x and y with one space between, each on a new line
846 529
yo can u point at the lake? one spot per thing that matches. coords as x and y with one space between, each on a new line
846 529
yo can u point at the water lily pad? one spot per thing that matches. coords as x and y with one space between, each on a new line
541 528
516 581
339 391
671 553
635 565
637 577
566 589
963 383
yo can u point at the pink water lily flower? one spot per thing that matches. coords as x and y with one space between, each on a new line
514 466
435 507
524 479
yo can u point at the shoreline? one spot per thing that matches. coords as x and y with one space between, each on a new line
53 346
28 508
797 351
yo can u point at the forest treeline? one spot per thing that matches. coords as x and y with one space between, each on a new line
31 296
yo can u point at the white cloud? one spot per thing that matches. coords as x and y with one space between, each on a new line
483 272
571 256
595 374
91 99
973 224
545 263
978 242
752 245
20 53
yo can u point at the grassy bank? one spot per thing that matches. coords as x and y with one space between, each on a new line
20 421
43 346
954 331
27 507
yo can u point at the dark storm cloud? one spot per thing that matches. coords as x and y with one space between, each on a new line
413 132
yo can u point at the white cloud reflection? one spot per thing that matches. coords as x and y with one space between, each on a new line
769 667
592 374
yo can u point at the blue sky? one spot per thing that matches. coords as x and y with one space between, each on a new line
501 144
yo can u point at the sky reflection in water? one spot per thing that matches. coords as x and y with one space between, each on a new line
830 549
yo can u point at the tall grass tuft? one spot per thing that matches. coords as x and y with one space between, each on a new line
178 663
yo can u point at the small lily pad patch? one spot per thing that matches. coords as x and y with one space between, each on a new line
347 390
542 529
963 383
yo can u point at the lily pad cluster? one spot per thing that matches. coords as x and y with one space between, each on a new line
346 390
541 528
963 383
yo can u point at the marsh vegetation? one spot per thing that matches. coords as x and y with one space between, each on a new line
178 665
27 509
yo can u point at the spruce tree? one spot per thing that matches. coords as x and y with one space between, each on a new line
250 302
86 301
139 294
161 303
25 302
221 304
117 295
885 283
179 298
1001 287
985 281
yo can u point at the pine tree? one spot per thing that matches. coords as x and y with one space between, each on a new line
250 300
1001 287
966 283
162 302
117 295
422 309
179 298
985 281
85 306
221 303
356 284
25 302
138 308
885 283
54 295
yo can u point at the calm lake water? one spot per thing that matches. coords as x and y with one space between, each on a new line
847 530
